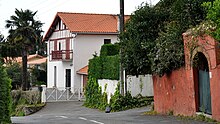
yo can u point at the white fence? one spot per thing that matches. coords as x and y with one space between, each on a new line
143 84
61 94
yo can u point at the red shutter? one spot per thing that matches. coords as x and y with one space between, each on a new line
67 48
55 45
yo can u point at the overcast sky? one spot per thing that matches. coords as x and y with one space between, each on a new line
47 9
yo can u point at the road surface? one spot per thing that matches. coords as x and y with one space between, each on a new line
75 113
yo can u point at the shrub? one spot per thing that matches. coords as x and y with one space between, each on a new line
119 102
5 97
21 99
14 72
92 93
109 50
95 98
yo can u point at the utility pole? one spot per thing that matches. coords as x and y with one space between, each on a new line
121 30
121 15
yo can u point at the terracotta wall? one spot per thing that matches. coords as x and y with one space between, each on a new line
174 92
177 91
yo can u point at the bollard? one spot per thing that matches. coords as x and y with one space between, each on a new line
43 94
79 97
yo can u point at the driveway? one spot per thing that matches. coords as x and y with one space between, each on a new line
75 113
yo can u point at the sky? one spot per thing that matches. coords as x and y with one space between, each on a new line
47 9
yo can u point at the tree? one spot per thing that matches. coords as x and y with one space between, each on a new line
25 34
213 15
168 52
1 37
152 41
140 33
5 97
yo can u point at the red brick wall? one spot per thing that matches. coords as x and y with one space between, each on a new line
177 91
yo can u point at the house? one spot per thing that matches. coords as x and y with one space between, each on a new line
73 39
32 60
193 88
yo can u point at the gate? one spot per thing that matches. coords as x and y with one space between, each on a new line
204 92
63 94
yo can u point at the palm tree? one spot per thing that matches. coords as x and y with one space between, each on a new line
24 34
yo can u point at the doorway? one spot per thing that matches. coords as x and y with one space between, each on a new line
202 84
68 77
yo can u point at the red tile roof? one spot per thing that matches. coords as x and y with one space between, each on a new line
83 71
86 23
37 61
32 59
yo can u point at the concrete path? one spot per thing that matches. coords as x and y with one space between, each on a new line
75 113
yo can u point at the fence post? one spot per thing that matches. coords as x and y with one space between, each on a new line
43 94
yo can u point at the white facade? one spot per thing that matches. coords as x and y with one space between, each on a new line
83 46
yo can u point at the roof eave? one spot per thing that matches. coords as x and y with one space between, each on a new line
50 30
94 33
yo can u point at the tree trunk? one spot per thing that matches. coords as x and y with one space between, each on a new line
25 85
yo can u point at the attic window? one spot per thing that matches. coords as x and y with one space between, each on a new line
59 25
107 41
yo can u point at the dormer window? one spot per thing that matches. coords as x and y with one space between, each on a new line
59 25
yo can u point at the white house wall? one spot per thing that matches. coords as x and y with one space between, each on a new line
61 74
84 48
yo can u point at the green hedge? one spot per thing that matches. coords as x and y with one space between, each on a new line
110 67
5 97
95 68
104 67
109 50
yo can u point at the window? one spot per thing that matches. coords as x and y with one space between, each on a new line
64 26
59 25
59 45
107 41
55 76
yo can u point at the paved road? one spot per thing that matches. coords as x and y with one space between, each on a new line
75 113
